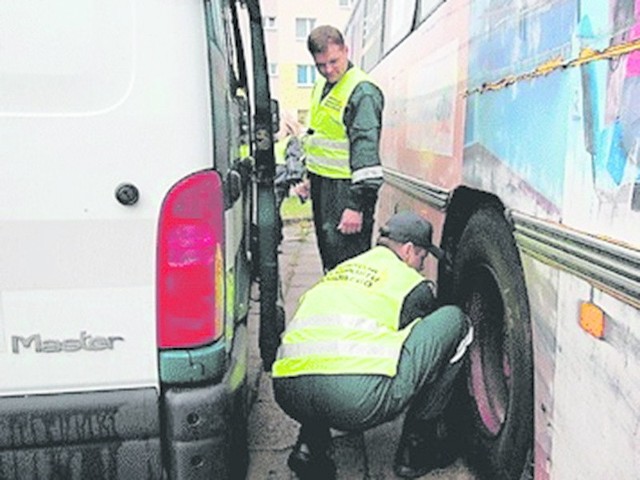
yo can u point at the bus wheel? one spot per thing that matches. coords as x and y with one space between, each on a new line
497 397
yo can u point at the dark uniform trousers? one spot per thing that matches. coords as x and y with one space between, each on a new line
330 198
423 383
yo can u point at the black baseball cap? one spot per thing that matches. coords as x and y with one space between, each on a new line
408 226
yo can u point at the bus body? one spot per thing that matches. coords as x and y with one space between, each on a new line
514 127
125 217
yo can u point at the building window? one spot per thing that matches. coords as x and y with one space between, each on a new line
269 23
306 75
273 69
304 27
344 3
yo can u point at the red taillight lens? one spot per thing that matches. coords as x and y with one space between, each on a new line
190 265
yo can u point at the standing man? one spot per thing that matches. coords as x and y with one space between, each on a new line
342 149
289 168
366 343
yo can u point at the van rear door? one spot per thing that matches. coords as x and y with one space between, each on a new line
101 112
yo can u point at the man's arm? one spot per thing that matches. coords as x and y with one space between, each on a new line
420 302
363 120
293 161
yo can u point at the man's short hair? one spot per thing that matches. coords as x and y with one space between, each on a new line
320 38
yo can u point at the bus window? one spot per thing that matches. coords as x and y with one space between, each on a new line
353 33
398 22
372 34
427 7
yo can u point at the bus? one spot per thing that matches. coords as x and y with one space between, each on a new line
514 127
135 142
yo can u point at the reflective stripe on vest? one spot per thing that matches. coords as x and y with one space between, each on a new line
327 149
357 331
339 348
366 173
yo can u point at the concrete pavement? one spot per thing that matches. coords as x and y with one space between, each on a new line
272 434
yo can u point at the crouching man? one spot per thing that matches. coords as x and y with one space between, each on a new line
366 343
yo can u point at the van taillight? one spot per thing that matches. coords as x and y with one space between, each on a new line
190 263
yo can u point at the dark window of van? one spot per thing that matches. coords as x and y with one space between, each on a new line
234 47
219 81
215 23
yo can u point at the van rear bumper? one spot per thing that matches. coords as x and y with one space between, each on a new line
97 435
122 434
198 423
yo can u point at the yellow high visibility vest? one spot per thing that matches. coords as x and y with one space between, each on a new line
348 322
244 151
279 150
327 149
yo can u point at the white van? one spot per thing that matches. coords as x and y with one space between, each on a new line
124 239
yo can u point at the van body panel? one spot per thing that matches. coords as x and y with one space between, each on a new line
104 435
117 95
95 96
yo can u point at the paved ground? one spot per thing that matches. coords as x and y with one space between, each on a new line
367 456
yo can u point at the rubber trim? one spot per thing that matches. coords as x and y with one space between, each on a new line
193 366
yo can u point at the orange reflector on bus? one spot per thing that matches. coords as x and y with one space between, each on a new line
592 319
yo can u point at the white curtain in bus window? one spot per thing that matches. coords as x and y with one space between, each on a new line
372 34
71 57
398 21
353 34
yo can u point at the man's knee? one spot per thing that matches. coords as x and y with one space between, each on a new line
451 318
464 330
449 327
456 316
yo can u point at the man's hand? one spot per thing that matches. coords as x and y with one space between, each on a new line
350 222
302 190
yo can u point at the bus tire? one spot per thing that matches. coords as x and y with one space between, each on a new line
496 397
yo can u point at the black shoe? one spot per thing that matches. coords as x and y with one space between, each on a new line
311 466
423 449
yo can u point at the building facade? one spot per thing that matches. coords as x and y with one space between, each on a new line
287 24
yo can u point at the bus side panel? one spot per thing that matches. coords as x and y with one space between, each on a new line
423 124
602 184
489 105
517 134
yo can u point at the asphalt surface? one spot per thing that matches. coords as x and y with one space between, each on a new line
272 434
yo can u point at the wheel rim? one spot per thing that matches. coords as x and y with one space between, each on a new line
489 363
